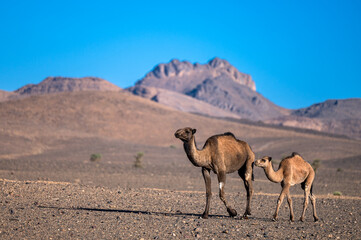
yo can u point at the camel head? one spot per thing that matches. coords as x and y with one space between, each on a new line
185 134
263 162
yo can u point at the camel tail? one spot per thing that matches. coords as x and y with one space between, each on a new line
253 174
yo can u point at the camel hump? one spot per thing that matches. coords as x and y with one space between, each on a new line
295 154
229 134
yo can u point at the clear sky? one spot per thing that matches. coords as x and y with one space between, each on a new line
298 52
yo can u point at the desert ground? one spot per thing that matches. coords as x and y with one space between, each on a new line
64 197
51 190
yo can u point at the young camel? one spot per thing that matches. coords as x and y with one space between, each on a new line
292 170
222 154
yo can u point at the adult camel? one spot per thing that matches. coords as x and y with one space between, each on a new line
222 154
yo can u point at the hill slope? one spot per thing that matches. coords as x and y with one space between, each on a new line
42 123
5 95
180 101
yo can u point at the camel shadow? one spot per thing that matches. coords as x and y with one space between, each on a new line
178 213
168 214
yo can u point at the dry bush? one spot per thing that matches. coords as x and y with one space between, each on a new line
139 160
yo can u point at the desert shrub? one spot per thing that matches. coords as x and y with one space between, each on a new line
316 164
95 157
172 146
139 160
337 193
339 169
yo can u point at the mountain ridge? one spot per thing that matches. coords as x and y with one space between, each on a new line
220 95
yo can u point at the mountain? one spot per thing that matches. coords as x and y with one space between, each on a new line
184 76
60 84
217 83
334 116
221 85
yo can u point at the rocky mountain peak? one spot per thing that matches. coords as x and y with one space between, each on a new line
182 76
219 63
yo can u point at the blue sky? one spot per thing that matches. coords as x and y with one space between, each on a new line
298 52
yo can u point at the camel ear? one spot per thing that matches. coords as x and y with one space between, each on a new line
270 158
194 131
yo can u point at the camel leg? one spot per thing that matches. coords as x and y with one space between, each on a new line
313 202
312 197
249 188
222 182
289 200
305 203
246 175
285 191
207 180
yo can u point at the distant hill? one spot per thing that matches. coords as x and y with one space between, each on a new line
334 116
332 109
60 84
217 83
64 84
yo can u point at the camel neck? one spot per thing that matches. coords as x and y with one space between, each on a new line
273 176
197 157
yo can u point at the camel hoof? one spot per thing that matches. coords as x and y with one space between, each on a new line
204 216
302 219
246 214
275 219
316 219
231 212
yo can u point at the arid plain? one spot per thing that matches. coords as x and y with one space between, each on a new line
51 190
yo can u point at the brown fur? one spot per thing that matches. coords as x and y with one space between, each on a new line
292 170
222 154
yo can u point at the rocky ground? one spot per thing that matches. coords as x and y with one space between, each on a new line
46 197
60 210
